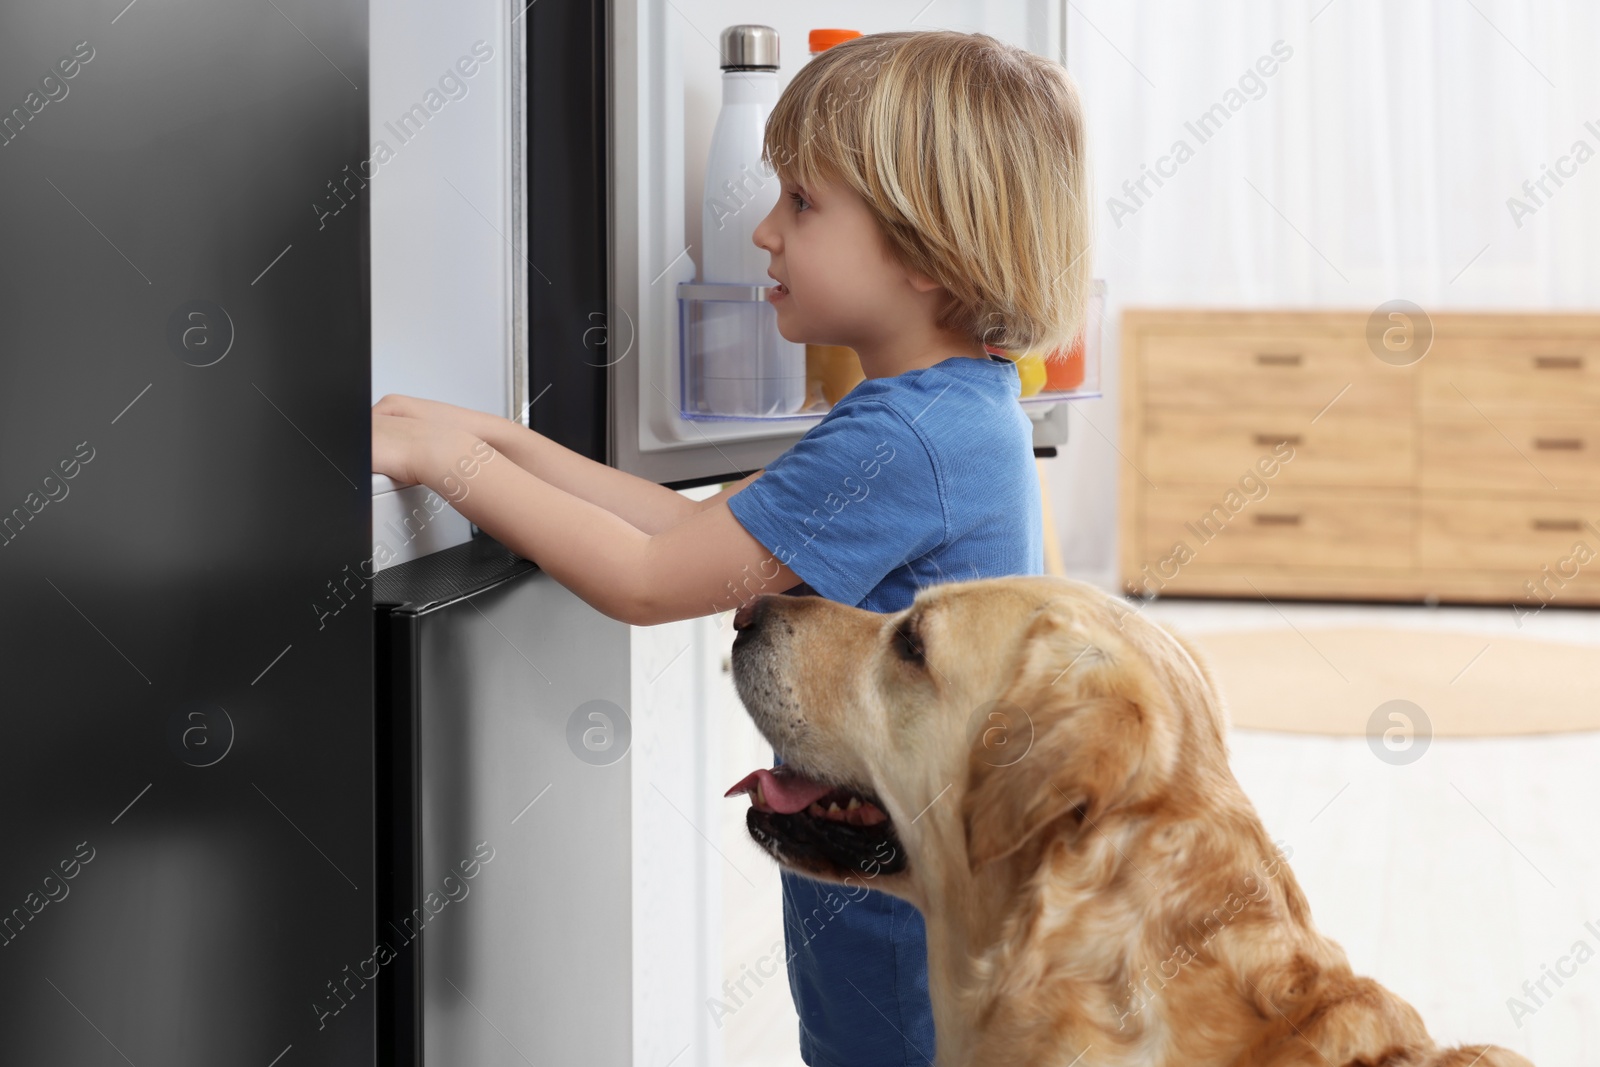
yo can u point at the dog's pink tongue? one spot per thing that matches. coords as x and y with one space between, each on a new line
784 790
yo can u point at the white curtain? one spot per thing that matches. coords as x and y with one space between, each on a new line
1375 161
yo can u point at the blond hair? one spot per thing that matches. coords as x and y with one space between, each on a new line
969 154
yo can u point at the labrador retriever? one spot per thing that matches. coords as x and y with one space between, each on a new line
1043 773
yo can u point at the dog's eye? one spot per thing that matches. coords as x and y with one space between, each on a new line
908 644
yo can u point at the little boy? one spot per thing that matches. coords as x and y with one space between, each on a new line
933 208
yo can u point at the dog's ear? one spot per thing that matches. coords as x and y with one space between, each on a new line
1097 726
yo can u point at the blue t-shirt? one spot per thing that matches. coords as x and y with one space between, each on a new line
919 478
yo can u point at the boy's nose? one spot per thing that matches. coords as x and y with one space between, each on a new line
762 235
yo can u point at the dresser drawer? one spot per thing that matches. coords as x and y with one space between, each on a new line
1514 454
1299 373
1517 534
1184 446
1526 376
1330 528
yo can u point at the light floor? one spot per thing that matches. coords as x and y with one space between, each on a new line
1453 880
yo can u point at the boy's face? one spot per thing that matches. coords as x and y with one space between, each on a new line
840 283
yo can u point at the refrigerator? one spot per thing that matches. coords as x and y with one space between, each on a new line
582 243
301 767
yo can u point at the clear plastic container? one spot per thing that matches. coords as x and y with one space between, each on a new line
719 318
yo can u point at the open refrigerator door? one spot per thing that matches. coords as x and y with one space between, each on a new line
674 417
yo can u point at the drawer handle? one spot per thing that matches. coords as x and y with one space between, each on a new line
1558 444
1278 359
1567 525
1268 519
1268 439
1558 362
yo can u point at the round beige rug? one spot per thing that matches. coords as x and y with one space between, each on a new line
1469 684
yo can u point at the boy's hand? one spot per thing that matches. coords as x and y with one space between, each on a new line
408 407
414 407
401 445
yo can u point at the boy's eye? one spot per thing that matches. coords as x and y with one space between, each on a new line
799 200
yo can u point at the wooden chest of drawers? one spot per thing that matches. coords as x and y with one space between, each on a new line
1275 454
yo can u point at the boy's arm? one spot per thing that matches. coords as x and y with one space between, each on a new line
641 502
704 564
722 497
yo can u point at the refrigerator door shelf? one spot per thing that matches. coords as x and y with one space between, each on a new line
736 324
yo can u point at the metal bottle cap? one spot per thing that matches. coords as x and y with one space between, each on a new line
749 47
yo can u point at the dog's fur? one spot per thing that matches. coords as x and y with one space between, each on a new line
1100 888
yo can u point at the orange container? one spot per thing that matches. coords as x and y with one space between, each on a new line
1064 372
822 40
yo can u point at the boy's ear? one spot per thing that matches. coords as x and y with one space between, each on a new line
920 281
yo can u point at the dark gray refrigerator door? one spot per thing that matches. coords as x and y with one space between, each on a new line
186 871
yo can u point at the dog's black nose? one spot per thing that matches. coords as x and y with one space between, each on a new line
750 613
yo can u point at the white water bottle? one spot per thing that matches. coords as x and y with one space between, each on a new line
746 366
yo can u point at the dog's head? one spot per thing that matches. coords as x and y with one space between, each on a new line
986 720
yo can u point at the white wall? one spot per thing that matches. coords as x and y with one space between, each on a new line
1376 164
